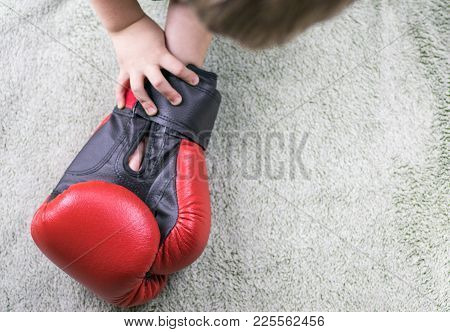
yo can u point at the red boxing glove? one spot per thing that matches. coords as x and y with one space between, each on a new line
121 232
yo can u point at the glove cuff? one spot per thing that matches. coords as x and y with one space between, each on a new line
194 118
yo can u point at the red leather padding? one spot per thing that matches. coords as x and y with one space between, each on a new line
130 99
105 237
188 238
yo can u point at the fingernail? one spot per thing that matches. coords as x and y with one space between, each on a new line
151 110
120 105
176 100
195 80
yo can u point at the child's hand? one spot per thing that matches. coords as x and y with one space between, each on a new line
142 52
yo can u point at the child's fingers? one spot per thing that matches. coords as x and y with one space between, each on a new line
123 84
176 67
137 86
160 83
135 159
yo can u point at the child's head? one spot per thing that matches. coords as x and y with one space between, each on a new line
262 23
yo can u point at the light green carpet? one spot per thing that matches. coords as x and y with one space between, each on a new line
360 223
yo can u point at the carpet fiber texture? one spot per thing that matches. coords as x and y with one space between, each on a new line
329 163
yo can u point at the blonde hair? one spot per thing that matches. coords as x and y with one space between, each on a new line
263 23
